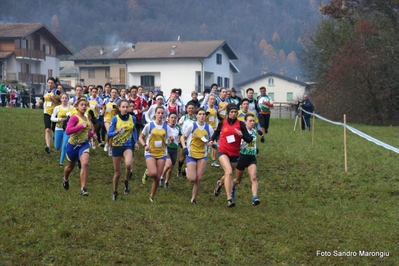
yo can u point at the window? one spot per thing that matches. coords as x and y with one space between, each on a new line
50 73
92 73
122 75
147 81
47 48
271 82
271 95
220 82
227 82
219 59
88 62
290 96
25 68
107 74
105 62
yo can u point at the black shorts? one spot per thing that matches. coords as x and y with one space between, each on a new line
47 121
233 159
245 161
264 120
172 155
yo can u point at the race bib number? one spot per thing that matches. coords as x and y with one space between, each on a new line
230 139
158 143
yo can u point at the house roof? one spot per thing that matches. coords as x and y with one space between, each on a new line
189 49
68 68
4 55
22 30
270 74
100 52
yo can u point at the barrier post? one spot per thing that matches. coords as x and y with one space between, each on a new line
313 120
300 118
345 151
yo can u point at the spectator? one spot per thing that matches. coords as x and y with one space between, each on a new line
307 106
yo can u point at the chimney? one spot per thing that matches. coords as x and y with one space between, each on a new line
264 71
282 72
101 51
134 47
173 52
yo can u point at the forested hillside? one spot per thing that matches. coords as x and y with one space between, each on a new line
263 33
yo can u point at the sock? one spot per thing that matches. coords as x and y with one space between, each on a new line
180 165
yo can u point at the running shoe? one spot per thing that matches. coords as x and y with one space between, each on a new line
84 192
255 201
215 164
144 178
126 190
114 196
262 139
166 185
193 201
106 147
47 149
161 182
230 203
152 199
233 192
65 184
218 189
93 145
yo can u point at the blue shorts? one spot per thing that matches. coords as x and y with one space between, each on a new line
193 160
73 152
150 156
117 151
233 159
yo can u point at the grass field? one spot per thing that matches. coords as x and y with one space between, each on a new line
309 205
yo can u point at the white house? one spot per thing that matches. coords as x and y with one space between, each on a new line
29 54
279 87
191 65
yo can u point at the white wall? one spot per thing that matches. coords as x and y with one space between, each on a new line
280 88
169 73
50 63
222 70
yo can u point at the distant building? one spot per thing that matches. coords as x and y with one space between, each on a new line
190 65
69 74
29 54
279 87
101 64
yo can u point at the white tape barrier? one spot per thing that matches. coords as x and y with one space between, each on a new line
357 132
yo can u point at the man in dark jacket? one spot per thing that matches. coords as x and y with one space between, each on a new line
307 106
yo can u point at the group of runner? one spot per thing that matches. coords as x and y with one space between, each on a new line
168 131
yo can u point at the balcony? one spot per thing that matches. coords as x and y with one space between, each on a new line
21 53
26 78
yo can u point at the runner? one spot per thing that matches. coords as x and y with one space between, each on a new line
171 159
49 101
60 114
78 147
229 148
196 135
123 133
154 137
183 122
212 119
247 159
109 110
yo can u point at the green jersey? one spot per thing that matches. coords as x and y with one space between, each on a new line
249 148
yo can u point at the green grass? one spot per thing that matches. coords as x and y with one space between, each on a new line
308 203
